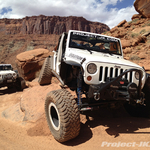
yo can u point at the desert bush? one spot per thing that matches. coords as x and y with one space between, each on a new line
105 32
134 57
133 35
148 41
142 31
129 22
133 27
148 24
139 47
135 20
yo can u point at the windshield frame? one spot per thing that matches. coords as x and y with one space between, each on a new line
5 67
94 39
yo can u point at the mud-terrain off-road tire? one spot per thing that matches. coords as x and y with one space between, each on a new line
20 84
146 91
141 110
45 73
62 115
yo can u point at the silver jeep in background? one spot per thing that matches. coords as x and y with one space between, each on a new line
10 78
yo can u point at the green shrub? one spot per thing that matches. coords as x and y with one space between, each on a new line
133 27
139 47
142 31
133 35
105 32
148 41
148 24
129 22
135 57
135 20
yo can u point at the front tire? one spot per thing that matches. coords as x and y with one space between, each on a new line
20 84
141 110
146 91
62 115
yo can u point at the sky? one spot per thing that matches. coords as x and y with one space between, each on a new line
110 12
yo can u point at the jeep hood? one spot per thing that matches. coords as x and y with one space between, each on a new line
85 57
111 60
6 72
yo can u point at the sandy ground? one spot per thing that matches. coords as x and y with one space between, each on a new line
101 129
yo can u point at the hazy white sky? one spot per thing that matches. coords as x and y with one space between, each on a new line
110 12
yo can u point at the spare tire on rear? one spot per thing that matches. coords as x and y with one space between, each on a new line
45 74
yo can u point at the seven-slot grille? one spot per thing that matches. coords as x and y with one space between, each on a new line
106 72
7 76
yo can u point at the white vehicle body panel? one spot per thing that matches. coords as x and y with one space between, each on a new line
82 57
7 74
101 59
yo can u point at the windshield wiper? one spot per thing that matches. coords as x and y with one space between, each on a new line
109 52
106 51
87 48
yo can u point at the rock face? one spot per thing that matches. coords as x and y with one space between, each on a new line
135 39
20 35
29 109
49 25
143 7
30 62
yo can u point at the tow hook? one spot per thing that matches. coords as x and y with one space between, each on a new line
97 96
141 100
86 109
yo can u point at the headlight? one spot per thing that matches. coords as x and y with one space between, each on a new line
137 75
91 68
14 75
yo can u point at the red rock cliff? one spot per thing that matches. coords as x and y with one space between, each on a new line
49 25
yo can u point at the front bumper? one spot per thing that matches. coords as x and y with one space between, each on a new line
7 82
117 89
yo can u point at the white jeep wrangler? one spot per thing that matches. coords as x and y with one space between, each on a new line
92 65
10 77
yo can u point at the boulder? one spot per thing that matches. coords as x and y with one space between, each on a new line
142 7
122 33
29 63
114 29
121 23
30 108
33 100
126 43
139 39
136 16
142 55
127 50
126 25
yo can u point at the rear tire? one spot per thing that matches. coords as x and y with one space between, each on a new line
62 115
45 74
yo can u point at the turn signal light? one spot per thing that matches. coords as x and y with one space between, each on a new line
121 82
89 78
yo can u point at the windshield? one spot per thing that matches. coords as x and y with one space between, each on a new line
5 67
96 43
